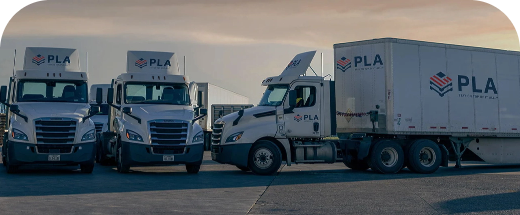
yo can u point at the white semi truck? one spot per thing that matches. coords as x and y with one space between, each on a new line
394 103
210 94
101 118
153 115
48 112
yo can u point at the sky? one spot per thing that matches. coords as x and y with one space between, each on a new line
235 44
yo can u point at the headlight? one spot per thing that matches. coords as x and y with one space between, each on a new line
199 137
234 137
133 136
90 135
18 135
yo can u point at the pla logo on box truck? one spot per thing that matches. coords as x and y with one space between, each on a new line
363 62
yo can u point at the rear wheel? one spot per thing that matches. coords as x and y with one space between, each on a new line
122 164
386 157
264 158
192 168
243 168
354 163
424 156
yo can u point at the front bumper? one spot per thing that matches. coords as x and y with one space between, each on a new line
143 155
235 154
26 153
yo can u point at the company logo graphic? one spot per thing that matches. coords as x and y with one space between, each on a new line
298 118
293 63
343 64
141 63
441 84
38 59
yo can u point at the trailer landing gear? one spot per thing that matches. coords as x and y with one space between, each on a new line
457 143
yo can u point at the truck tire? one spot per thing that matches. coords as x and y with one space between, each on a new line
355 164
9 168
122 164
386 156
192 168
424 156
243 168
87 167
264 158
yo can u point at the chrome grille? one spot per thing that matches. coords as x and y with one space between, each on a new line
99 127
55 130
168 131
216 135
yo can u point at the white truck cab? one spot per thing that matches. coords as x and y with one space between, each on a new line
49 115
101 118
259 138
153 115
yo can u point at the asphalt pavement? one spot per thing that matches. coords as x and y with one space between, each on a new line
296 189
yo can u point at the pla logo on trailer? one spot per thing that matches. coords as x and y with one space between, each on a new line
298 118
441 84
293 63
343 64
141 63
38 60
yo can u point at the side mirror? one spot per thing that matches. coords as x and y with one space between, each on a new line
127 110
110 96
292 98
199 98
94 109
241 112
14 108
3 94
99 95
203 111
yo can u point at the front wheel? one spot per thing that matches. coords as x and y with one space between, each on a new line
192 169
354 163
87 167
264 158
386 157
9 168
122 166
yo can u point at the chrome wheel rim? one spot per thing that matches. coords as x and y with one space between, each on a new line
263 158
427 156
389 156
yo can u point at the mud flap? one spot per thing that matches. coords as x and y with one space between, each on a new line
445 155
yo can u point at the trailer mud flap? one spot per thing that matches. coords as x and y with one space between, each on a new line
445 155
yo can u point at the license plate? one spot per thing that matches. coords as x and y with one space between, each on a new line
167 157
54 158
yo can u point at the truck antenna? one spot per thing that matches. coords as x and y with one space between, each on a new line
322 64
87 62
14 62
184 64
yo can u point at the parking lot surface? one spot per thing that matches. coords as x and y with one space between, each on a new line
296 189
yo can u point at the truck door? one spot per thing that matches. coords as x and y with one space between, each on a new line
304 122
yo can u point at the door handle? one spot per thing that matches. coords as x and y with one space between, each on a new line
316 126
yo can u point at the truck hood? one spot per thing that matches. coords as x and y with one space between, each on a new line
35 110
248 113
153 112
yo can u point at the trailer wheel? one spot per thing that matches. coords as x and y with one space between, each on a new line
354 163
243 168
386 157
424 156
122 165
265 158
192 168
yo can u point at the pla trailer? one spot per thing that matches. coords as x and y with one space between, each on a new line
394 103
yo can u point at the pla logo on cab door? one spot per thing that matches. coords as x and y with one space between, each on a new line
141 63
38 59
298 118
343 64
441 84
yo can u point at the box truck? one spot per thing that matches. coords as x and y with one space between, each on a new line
101 118
209 94
153 115
394 103
48 117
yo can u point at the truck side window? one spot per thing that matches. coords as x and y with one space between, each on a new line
119 94
306 96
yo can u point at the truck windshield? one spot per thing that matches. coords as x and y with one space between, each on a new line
273 95
52 91
157 93
103 109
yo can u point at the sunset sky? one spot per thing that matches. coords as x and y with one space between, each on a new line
236 43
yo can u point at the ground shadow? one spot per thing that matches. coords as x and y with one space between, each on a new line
486 203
